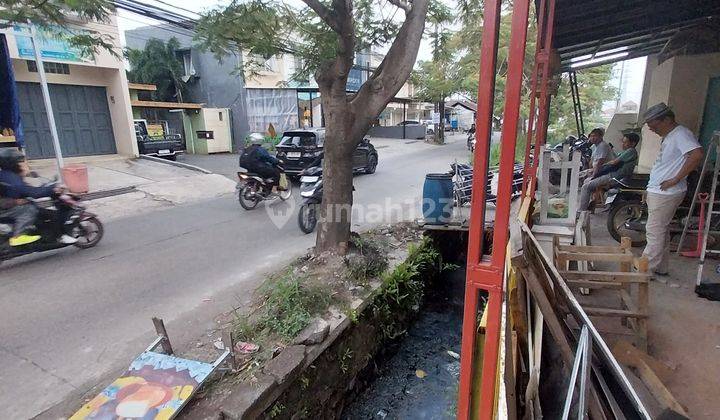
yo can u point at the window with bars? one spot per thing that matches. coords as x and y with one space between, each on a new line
54 68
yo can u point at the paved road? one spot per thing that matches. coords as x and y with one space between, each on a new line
71 319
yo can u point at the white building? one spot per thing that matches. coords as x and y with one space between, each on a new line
89 95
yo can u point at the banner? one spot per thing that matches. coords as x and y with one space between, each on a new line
52 47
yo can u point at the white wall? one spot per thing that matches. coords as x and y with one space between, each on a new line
104 70
681 82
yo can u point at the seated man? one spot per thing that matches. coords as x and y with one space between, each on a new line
256 159
620 168
11 177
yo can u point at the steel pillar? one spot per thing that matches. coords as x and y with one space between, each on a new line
483 274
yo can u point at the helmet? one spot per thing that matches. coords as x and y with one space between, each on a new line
256 138
10 159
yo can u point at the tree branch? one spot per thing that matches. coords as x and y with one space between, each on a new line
327 15
406 6
395 68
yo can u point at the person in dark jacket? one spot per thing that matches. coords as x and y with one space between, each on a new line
15 187
256 159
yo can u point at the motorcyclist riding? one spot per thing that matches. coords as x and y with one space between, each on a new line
14 187
256 159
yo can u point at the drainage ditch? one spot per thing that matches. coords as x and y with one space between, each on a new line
400 357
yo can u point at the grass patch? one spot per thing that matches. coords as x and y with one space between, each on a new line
368 261
403 289
289 303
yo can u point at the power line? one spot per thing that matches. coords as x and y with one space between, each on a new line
160 27
178 7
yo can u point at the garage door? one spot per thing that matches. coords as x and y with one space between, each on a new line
81 115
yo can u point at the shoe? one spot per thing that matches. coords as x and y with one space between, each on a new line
23 240
67 240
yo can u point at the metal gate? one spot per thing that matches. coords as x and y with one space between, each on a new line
81 114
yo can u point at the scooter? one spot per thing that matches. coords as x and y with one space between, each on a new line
627 212
311 188
311 191
253 189
80 224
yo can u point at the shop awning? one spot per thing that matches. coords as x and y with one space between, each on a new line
165 105
587 31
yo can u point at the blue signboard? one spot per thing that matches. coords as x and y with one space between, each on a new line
51 47
354 80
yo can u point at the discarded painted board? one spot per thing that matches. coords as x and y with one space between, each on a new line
155 386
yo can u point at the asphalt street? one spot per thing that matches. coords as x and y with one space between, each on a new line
71 319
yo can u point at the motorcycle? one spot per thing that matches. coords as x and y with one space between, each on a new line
462 175
311 189
80 224
252 189
627 214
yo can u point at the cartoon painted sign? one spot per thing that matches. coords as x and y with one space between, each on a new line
155 387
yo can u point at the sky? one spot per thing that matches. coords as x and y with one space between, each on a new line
127 20
629 79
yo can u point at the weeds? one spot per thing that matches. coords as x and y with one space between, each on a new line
288 306
369 262
344 359
403 288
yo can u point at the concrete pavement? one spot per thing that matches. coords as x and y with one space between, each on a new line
72 319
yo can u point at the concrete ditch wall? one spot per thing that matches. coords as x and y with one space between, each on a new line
315 380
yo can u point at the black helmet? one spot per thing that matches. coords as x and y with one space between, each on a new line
10 159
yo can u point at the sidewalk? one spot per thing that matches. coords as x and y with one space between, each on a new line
153 185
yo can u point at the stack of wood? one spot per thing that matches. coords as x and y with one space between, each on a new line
630 280
622 383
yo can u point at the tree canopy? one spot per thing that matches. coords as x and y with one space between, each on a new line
159 65
58 16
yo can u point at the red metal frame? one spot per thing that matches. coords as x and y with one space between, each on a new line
483 274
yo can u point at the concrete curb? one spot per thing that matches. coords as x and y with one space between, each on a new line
174 163
246 401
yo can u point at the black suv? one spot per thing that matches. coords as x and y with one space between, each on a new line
299 148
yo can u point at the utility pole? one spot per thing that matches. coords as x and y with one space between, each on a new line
46 98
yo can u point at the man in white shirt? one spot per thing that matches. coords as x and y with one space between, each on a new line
679 155
602 153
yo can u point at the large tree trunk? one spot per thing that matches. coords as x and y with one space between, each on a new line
336 211
348 118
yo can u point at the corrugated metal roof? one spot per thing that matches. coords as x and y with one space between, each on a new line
622 29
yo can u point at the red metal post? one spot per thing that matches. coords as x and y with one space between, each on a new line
544 103
488 275
532 114
475 277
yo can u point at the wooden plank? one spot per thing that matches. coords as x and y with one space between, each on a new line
160 329
590 284
591 248
557 331
170 105
608 276
597 256
624 313
142 86
653 383
626 354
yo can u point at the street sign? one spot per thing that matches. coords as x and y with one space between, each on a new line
436 118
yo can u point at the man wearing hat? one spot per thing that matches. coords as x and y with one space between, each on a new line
680 153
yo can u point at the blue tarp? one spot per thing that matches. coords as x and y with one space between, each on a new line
9 107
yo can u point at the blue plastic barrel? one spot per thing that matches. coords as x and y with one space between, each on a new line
437 203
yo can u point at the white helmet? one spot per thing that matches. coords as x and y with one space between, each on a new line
256 138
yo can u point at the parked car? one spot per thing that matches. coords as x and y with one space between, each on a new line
300 148
409 122
154 140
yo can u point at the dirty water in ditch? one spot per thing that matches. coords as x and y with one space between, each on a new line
420 381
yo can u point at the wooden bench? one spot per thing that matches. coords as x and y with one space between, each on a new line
630 280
